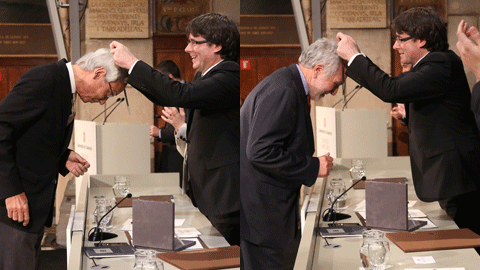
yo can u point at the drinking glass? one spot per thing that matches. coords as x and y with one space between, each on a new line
369 236
121 187
336 188
102 207
357 171
140 259
378 254
386 244
152 263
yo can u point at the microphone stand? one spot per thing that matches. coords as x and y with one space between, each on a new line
119 99
111 112
358 89
330 214
97 234
344 98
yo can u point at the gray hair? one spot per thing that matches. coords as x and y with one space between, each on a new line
101 58
324 52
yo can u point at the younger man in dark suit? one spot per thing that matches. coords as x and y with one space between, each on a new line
36 123
213 131
443 137
276 148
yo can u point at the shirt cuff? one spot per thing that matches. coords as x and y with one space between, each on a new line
131 68
182 133
353 58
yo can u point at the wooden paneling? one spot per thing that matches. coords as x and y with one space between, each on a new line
12 68
262 61
248 75
399 131
14 73
3 83
172 47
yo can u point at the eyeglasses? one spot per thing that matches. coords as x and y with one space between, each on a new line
111 91
402 39
196 42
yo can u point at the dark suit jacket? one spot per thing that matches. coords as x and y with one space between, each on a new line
276 148
444 144
171 160
213 129
34 137
167 134
476 102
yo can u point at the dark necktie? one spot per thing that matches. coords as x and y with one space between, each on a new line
71 117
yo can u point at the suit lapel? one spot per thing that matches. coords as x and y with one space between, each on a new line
189 113
304 101
67 100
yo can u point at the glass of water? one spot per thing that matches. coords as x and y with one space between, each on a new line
378 253
102 207
337 187
121 187
357 171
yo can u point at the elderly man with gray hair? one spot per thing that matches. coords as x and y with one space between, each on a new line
276 148
36 123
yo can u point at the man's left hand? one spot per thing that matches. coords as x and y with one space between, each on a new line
469 50
76 164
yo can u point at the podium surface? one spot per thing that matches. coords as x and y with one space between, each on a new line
141 185
313 255
351 133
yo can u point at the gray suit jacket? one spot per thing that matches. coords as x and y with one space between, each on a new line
276 148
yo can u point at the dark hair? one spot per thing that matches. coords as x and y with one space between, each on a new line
423 23
169 67
219 30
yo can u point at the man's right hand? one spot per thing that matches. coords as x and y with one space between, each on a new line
17 208
326 165
347 46
122 56
154 131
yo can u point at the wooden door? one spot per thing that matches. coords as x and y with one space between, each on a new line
12 68
256 63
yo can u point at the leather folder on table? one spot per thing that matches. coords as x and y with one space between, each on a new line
153 224
205 259
361 184
128 202
435 240
386 206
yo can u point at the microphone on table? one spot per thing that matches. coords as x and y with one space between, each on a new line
112 110
118 100
97 234
330 214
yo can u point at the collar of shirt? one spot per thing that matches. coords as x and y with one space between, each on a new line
72 77
420 59
203 74
304 81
